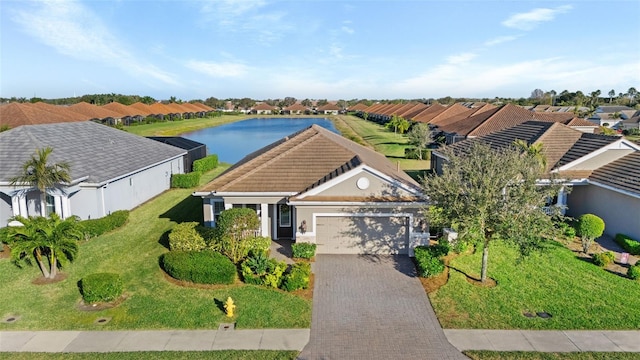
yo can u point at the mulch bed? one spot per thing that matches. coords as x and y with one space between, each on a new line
6 252
576 247
432 284
44 281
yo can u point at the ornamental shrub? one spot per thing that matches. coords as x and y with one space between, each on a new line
201 267
631 245
634 272
206 163
303 250
101 287
275 270
96 227
588 228
185 237
566 229
603 259
258 244
298 277
427 264
234 230
185 181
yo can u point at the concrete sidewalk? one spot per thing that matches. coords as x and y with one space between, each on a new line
153 340
545 340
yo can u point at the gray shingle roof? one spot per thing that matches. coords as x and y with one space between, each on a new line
97 151
623 173
586 144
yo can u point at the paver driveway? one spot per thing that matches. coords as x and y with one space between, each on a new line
372 307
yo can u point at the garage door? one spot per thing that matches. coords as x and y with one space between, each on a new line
362 235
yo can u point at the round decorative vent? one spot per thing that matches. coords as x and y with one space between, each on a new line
362 183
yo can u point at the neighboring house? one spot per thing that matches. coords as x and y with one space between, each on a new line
602 172
263 109
110 169
296 109
329 109
611 116
316 186
632 123
195 150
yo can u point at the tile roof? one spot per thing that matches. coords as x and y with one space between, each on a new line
296 107
97 151
330 107
429 113
358 107
623 173
586 144
449 112
160 108
413 111
93 111
301 161
62 110
264 106
143 109
122 109
17 114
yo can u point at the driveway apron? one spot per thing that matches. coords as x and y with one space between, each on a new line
372 307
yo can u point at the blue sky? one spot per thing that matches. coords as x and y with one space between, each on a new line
317 49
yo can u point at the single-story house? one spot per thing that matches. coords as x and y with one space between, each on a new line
329 109
601 174
195 150
316 186
110 169
264 109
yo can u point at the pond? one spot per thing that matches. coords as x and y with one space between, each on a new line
232 142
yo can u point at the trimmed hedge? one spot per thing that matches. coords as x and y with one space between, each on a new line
185 237
185 181
206 163
96 227
101 287
303 250
298 277
632 246
603 259
634 272
201 267
427 262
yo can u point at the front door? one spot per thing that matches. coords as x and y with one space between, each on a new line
285 221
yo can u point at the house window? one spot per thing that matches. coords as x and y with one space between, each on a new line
285 215
50 207
218 207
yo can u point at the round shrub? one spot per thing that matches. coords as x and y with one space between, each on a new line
201 267
185 237
603 259
634 272
427 262
303 250
101 287
298 277
590 226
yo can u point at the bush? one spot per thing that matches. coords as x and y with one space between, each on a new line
589 227
632 246
298 277
258 269
566 229
234 230
185 237
96 227
258 244
275 270
206 163
427 263
101 287
202 267
634 272
303 250
603 259
185 181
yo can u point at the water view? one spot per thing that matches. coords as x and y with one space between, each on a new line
234 141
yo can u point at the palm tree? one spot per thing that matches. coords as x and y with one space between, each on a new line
38 173
553 94
612 93
632 92
51 238
535 151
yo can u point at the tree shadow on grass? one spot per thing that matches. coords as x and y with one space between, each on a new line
164 240
188 209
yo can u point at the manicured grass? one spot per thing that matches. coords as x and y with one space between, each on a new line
386 142
174 128
151 355
524 355
152 301
578 294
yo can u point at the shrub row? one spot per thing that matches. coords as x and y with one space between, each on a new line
634 272
603 259
303 250
201 267
101 287
632 246
96 227
427 258
298 277
185 181
206 163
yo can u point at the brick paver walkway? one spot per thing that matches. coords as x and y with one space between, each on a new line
368 307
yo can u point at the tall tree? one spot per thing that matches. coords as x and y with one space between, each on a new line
51 239
553 94
493 195
632 92
612 93
306 102
39 173
420 136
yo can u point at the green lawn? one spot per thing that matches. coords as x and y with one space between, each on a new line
525 355
576 293
152 355
174 128
152 302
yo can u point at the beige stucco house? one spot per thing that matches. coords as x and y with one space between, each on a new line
316 186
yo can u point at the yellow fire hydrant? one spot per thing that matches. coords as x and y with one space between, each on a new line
229 306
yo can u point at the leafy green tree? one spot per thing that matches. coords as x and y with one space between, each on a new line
40 173
493 195
399 124
306 102
535 151
322 102
612 93
420 136
589 227
235 230
51 239
632 92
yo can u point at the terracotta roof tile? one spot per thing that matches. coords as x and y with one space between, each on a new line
143 109
122 109
94 111
427 114
17 114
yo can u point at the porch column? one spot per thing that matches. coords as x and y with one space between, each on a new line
23 205
57 206
66 208
15 205
264 219
274 222
294 221
209 216
562 200
228 206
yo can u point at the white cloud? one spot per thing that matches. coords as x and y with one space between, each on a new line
218 70
231 8
531 19
500 40
73 30
348 30
461 58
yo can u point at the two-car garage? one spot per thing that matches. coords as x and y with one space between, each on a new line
356 234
